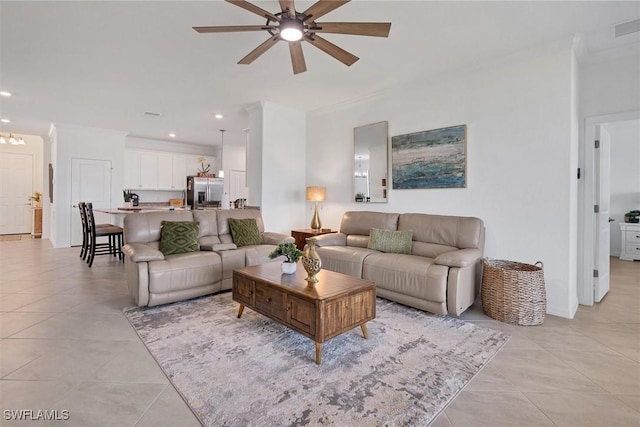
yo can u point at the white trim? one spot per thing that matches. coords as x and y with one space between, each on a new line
586 218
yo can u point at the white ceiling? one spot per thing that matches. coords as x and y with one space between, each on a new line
103 64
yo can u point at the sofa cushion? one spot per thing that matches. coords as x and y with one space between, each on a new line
344 259
398 242
145 227
454 231
411 275
208 220
361 222
245 231
178 237
184 271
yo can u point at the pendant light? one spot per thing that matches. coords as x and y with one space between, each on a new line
221 170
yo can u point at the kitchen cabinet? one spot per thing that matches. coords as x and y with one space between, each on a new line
172 171
141 170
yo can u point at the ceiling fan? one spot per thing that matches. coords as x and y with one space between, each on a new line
296 27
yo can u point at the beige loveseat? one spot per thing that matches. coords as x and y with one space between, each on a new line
441 275
154 278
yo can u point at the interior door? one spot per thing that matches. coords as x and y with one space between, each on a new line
603 199
16 186
238 185
90 182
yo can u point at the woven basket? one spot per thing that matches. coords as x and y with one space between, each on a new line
513 292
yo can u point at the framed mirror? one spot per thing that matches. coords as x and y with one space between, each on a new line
370 166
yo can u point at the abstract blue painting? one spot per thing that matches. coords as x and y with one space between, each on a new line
430 159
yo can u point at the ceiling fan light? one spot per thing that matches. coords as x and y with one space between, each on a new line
291 30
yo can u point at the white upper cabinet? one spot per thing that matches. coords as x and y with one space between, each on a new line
172 171
141 170
149 170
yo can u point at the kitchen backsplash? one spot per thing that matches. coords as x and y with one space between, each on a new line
152 196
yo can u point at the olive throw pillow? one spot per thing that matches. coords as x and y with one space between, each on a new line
178 237
244 232
398 242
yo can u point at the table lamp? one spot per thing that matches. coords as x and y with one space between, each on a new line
316 194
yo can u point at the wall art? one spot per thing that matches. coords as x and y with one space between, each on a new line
430 159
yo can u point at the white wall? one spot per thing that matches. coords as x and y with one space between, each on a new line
276 150
521 148
625 174
609 85
75 142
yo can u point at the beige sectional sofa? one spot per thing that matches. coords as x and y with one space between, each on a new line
441 275
154 278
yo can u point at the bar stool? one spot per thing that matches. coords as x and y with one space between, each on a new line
112 232
84 251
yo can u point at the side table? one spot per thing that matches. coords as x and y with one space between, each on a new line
302 235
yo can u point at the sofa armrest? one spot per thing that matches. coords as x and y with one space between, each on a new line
460 258
139 252
270 238
331 239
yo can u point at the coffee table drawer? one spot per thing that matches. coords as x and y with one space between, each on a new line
270 302
243 290
302 315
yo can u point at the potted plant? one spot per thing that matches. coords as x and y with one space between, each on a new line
126 194
203 170
632 216
360 197
291 253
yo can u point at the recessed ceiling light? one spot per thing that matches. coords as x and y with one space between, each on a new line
5 120
219 116
172 135
5 93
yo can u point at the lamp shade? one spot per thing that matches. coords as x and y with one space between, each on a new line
316 194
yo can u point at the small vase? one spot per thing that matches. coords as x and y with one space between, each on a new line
288 267
311 261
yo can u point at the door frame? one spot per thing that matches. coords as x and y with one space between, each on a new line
587 192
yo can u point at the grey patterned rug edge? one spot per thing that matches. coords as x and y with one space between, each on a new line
394 414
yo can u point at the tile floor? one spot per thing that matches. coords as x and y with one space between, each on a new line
65 344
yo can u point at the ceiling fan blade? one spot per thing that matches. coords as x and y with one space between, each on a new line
331 49
375 29
227 29
322 7
287 5
255 53
255 9
297 57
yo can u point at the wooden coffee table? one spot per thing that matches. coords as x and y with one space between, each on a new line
336 304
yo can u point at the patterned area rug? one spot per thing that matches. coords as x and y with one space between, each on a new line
253 371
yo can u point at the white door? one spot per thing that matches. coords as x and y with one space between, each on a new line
603 199
90 182
16 186
238 185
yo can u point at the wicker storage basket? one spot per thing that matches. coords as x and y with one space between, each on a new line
513 292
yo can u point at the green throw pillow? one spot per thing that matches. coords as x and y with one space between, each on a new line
244 232
178 237
398 242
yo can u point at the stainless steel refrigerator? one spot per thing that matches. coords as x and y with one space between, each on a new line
204 192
